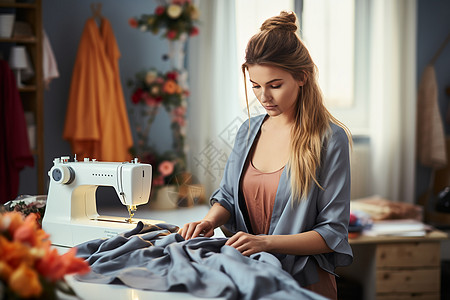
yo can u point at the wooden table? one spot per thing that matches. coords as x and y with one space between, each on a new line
390 267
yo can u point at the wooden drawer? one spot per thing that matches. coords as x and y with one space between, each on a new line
408 255
408 280
390 296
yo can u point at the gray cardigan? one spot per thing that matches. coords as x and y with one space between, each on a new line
325 211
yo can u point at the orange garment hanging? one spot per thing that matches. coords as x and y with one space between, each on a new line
97 124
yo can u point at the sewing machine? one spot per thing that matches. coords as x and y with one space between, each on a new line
71 214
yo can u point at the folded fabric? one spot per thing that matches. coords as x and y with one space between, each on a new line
157 258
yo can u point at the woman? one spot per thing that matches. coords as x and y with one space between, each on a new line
286 185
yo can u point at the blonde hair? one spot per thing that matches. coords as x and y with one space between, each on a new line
277 44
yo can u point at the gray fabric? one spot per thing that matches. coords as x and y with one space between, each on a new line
326 211
153 258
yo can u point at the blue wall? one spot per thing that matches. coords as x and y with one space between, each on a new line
433 27
64 22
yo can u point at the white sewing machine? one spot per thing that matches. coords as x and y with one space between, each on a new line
71 214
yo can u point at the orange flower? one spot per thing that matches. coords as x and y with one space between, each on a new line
26 256
29 232
14 253
25 282
10 221
54 266
5 271
75 264
170 87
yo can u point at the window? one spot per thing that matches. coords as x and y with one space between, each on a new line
336 33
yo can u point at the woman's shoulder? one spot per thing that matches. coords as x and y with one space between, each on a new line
255 120
337 129
337 133
254 123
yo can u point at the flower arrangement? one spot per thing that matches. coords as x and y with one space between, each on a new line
29 267
154 88
177 17
27 207
165 167
151 90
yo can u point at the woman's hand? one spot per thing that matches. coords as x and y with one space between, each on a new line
194 229
248 244
216 216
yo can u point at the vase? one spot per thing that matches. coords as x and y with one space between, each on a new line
165 198
176 52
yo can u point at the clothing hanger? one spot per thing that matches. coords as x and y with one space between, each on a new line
97 11
439 51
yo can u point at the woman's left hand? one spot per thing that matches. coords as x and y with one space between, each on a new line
248 244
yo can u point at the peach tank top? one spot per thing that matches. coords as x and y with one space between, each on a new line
259 191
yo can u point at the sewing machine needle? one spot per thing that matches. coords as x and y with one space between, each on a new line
131 211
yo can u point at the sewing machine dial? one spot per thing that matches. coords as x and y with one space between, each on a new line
62 174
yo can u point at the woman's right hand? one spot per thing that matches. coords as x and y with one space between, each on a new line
194 229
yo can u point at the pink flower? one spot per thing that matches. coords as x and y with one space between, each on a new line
149 100
179 111
179 120
166 168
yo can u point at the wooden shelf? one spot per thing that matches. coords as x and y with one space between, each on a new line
34 5
21 40
27 88
32 94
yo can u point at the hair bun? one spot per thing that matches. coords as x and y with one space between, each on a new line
286 21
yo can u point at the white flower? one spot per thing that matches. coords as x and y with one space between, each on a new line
143 28
194 12
150 77
174 11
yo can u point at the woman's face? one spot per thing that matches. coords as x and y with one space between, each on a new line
275 89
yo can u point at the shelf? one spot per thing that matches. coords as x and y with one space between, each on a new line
18 5
32 92
27 88
22 40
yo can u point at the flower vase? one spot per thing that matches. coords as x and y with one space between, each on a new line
165 198
176 52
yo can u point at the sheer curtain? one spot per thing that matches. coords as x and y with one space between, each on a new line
214 112
393 98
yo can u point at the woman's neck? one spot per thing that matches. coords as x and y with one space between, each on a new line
280 121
